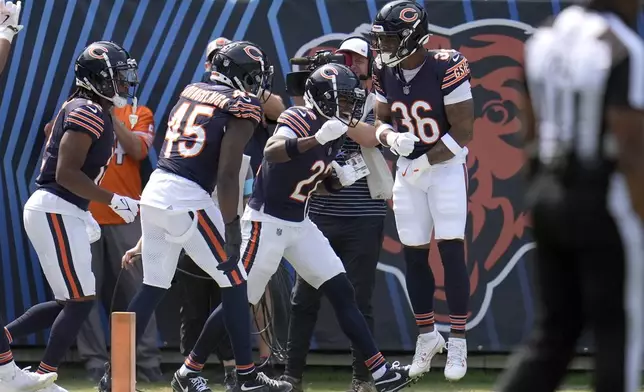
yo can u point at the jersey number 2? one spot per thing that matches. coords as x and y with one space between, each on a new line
318 169
182 123
426 128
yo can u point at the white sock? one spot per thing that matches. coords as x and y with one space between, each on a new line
379 373
184 371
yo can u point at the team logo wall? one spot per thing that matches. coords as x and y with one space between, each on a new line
496 236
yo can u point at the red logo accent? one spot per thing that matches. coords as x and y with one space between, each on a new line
408 15
253 53
96 51
328 72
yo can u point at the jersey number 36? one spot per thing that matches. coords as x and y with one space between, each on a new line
426 128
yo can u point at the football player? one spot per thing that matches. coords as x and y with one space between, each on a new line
208 129
298 158
56 219
427 93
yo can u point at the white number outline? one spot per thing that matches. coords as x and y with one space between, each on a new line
195 132
416 124
318 168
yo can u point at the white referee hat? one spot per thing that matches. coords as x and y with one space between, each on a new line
356 45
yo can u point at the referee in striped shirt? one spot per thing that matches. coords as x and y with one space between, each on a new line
353 223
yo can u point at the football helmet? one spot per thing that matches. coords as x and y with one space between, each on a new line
107 70
399 30
244 66
333 90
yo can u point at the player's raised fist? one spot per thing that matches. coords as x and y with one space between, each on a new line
401 144
127 208
9 16
346 174
331 130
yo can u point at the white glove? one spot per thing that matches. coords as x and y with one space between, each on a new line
346 174
416 168
92 228
401 144
125 207
331 130
9 16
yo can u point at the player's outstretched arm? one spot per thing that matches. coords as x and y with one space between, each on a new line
461 118
71 157
280 149
364 134
230 160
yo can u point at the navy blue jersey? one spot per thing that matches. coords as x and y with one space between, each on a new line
283 189
85 116
196 127
418 106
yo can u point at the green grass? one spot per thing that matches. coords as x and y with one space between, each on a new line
326 379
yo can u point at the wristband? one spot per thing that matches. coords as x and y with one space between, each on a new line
451 144
381 129
291 148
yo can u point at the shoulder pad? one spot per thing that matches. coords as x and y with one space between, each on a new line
299 119
452 67
85 116
246 106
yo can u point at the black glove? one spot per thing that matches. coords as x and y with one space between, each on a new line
232 245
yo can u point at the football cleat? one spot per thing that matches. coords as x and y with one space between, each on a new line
427 345
396 377
193 382
262 383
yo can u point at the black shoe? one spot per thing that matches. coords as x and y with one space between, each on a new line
394 379
105 385
193 382
230 379
295 382
263 384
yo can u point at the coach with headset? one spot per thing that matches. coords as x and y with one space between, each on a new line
353 222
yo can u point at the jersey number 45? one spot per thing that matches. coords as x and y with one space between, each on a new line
182 130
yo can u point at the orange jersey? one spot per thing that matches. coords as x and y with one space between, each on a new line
123 173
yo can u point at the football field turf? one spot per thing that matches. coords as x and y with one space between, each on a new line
325 379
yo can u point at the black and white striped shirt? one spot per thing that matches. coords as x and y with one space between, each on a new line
354 200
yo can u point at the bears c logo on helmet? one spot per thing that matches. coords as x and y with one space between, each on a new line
96 51
253 53
408 15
